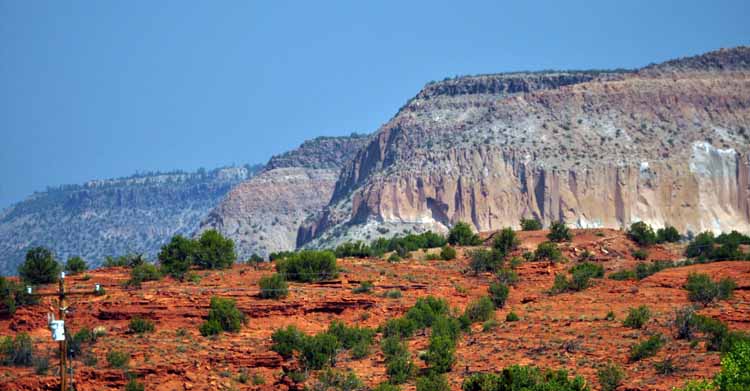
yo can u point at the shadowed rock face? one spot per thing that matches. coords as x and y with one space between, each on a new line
667 144
262 215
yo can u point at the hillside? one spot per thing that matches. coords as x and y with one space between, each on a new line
113 217
262 215
667 144
576 331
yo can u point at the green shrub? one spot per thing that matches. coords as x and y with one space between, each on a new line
134 385
640 254
308 266
622 275
337 380
448 253
547 251
507 276
667 234
512 317
353 250
489 325
273 287
393 347
13 295
642 234
385 386
483 260
701 246
393 294
506 241
210 327
139 325
530 225
440 353
39 267
702 289
518 377
76 265
480 310
350 336
400 368
426 310
41 365
610 377
637 317
399 327
254 260
177 256
665 367
223 312
214 251
18 351
697 385
364 287
561 284
559 232
646 348
499 294
76 341
318 351
279 255
143 273
394 258
286 341
431 257
685 323
433 382
117 359
580 280
461 234
735 368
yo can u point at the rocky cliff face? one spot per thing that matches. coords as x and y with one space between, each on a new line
114 216
262 215
667 144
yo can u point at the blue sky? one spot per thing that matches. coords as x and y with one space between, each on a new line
97 89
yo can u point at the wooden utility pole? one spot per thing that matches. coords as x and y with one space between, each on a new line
61 310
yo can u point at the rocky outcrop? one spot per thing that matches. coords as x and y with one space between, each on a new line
262 215
113 216
668 144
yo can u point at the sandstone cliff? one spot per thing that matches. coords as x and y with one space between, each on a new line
667 144
262 214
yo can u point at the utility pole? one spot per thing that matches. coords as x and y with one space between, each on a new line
58 327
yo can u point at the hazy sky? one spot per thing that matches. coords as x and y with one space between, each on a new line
96 89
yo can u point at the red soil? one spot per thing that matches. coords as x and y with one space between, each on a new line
562 331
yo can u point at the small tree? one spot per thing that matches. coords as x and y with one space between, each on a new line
273 287
642 234
440 354
225 315
18 351
139 325
547 251
506 241
76 265
667 234
530 225
447 253
177 256
461 234
143 273
319 351
40 267
701 246
480 310
559 232
610 377
215 251
499 294
637 317
433 382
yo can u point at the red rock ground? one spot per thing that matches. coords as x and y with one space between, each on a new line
563 331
